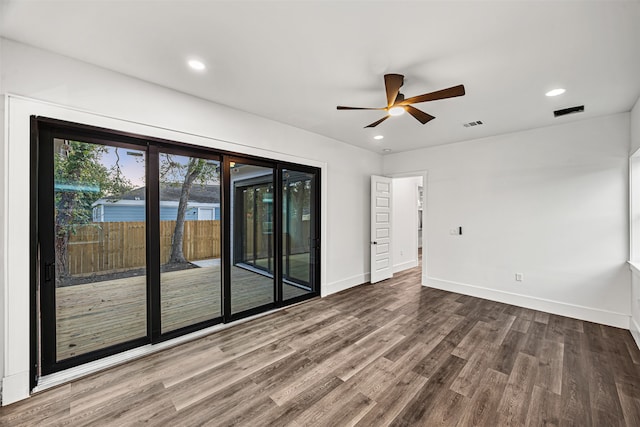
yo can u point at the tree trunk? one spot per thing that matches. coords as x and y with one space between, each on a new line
62 256
64 222
177 255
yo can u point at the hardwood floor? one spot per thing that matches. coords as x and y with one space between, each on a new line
393 353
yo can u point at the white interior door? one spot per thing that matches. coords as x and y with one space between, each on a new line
381 261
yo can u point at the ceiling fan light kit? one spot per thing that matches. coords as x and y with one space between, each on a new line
396 111
397 104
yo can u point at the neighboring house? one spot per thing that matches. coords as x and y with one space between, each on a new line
204 204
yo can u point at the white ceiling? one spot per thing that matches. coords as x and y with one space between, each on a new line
294 62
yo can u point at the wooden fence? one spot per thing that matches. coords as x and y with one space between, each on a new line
116 246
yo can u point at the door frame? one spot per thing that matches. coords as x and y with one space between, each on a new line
46 252
425 208
229 245
153 221
315 246
42 130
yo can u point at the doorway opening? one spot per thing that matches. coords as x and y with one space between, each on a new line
409 222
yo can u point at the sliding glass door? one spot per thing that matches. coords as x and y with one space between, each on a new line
190 234
94 271
252 236
299 234
141 240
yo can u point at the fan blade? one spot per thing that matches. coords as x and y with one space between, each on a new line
420 115
439 94
376 123
393 83
340 107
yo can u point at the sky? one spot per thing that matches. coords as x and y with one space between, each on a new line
132 164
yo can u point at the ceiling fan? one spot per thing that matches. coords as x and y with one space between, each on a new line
397 104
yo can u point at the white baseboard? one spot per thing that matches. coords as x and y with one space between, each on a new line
341 285
405 266
15 387
605 317
635 331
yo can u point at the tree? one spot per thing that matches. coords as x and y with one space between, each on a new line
80 179
190 170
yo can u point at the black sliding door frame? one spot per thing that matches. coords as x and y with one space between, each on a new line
190 151
231 238
46 225
314 238
43 292
286 225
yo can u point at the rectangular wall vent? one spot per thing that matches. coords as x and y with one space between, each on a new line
476 123
570 110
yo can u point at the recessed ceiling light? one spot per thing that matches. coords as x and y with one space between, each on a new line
555 92
396 111
386 150
378 137
196 65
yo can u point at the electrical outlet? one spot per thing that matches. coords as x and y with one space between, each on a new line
519 277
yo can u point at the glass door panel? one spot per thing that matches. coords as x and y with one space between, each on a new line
190 236
129 241
252 238
298 233
100 246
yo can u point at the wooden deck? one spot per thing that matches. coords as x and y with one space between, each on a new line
96 315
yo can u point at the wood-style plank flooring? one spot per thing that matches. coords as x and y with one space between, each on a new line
393 353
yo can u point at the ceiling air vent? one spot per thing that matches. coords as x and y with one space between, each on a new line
476 123
570 110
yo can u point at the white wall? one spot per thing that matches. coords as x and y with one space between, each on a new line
635 221
405 222
550 203
635 127
2 227
63 88
2 209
